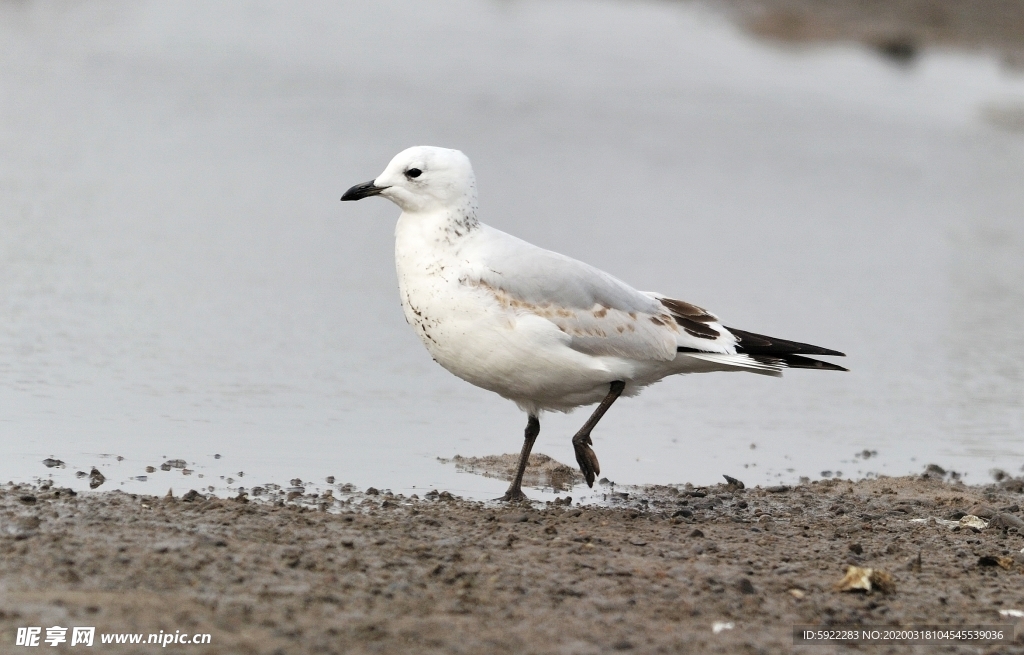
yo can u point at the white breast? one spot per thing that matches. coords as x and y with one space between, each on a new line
467 331
436 305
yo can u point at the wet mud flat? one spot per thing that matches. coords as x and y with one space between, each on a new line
678 569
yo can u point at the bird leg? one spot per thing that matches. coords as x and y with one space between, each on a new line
515 490
585 455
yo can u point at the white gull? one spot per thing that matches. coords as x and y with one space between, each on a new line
545 331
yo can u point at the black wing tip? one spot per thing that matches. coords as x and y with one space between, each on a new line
827 352
787 360
760 344
797 361
831 353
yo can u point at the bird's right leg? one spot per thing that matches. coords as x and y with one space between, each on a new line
585 455
515 490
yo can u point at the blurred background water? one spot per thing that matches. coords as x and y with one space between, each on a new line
179 280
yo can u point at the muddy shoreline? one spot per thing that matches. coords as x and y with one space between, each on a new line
657 571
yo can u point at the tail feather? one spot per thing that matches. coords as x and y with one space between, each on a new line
763 365
758 353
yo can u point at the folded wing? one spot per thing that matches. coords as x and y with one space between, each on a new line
603 316
600 314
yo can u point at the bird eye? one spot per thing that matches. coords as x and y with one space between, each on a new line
413 172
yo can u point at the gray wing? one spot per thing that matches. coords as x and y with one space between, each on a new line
600 314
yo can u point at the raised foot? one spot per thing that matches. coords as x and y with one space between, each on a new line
586 458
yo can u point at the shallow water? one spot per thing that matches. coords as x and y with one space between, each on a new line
179 280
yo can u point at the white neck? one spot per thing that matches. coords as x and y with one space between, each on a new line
439 228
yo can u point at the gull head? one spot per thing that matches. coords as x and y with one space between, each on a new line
422 179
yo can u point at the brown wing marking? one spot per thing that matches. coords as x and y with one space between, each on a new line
692 318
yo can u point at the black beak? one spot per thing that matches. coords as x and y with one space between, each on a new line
364 190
